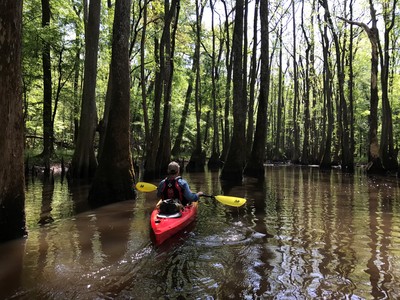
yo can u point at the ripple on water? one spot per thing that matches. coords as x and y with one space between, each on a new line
235 235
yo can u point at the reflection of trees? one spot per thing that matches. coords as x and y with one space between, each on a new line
314 235
79 192
11 261
47 199
339 256
380 230
261 264
114 229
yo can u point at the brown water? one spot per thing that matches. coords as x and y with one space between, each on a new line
303 234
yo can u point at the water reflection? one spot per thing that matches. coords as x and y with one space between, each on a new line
302 234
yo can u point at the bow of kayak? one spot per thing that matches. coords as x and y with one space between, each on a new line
166 226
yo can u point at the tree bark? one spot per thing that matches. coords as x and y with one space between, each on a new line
176 150
253 78
143 77
387 151
305 156
198 158
375 165
12 183
227 132
114 176
233 167
48 130
255 165
296 130
166 59
326 159
84 162
214 161
278 151
346 157
150 170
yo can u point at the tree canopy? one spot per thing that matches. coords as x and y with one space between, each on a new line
196 73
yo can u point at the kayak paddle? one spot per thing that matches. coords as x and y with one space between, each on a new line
227 200
145 187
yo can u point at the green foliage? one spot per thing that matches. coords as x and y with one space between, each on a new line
66 37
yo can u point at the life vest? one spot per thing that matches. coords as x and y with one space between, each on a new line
172 189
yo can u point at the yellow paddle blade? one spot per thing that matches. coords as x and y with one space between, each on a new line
145 187
230 200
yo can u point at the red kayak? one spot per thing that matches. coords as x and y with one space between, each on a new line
165 226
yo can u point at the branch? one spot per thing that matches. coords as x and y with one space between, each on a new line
368 30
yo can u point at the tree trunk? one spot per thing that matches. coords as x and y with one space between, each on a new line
214 161
227 136
250 113
233 167
143 77
326 159
346 157
12 183
277 155
315 146
115 175
76 84
375 165
374 160
166 59
176 150
296 130
102 127
305 156
84 161
350 85
255 165
387 152
48 133
150 170
253 78
198 158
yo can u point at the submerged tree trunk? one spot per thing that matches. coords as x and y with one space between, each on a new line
255 165
143 77
305 156
227 136
166 59
176 150
150 170
375 165
346 156
214 161
278 151
115 175
253 79
235 162
326 157
387 151
84 162
12 183
48 131
198 158
296 128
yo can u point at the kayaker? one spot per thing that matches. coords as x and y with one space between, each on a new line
175 187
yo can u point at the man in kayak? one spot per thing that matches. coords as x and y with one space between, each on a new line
175 187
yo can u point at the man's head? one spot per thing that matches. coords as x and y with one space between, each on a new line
173 168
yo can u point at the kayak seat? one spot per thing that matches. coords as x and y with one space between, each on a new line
169 216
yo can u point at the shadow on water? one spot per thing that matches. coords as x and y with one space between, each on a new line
302 234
